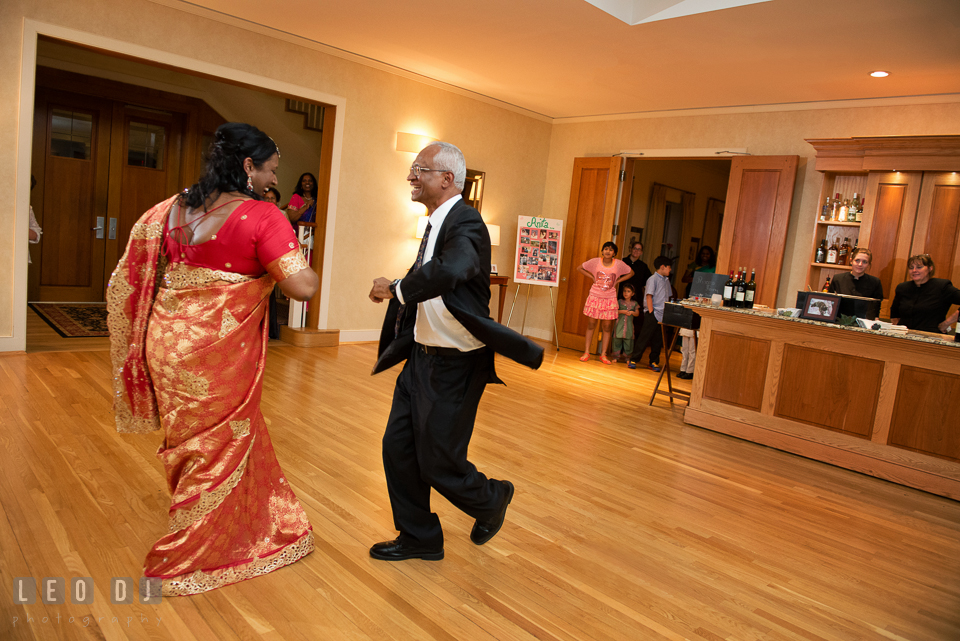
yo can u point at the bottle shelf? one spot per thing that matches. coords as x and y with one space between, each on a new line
837 223
832 266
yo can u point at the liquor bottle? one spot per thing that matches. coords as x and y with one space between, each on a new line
835 207
826 285
855 206
728 291
742 288
844 252
821 255
751 288
859 215
825 211
832 253
842 213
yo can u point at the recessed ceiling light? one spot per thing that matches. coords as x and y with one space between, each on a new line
879 74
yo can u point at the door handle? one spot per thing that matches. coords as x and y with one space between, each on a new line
99 227
112 232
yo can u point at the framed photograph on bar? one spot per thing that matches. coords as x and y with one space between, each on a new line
821 307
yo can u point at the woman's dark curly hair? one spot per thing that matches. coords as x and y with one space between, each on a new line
711 262
298 190
233 143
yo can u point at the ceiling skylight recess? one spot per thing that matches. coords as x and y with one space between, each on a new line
635 12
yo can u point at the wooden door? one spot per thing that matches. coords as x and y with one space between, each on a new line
71 164
590 219
759 196
887 231
937 230
145 156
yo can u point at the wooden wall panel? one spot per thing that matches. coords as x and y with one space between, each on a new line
736 370
757 214
830 390
939 213
922 421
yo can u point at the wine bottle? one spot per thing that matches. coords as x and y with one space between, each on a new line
826 285
832 254
821 255
742 288
751 288
844 253
855 206
728 291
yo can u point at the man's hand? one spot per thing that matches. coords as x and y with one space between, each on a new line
381 290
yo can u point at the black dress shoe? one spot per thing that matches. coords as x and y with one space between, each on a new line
486 529
397 550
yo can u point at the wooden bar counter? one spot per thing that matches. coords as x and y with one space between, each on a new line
881 404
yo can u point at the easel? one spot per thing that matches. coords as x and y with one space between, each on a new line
672 393
526 304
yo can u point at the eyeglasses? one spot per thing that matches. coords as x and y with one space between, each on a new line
416 170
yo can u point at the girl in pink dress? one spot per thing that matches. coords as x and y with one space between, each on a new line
606 272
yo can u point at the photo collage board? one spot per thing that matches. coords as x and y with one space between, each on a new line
538 251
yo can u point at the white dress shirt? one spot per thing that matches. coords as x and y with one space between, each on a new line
435 325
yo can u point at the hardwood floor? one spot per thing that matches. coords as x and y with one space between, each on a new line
626 524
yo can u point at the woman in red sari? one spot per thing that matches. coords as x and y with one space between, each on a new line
188 344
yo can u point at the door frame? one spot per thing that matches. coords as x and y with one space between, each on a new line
32 30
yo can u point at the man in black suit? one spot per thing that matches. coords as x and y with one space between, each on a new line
438 321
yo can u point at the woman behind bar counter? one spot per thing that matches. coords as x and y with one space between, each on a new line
857 282
923 303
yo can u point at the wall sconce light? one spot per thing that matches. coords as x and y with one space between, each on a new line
412 143
494 233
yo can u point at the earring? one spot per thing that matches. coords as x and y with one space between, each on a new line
249 183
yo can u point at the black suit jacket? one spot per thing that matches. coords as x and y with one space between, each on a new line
458 272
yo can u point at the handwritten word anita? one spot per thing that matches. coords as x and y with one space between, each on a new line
53 590
539 223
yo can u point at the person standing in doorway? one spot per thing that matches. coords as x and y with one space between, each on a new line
641 273
438 322
658 291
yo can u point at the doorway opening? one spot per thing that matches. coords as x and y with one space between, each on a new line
115 135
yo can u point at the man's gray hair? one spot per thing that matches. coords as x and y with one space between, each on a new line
450 158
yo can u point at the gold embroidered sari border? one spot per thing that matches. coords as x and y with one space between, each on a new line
209 500
183 276
202 581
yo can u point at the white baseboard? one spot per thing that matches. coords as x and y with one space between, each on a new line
359 335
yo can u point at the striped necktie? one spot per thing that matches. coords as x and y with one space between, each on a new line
416 266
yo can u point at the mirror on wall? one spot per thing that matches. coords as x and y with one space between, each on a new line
473 188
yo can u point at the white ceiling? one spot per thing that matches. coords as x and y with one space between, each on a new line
570 59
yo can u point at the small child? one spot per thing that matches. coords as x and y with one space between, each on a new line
623 333
601 305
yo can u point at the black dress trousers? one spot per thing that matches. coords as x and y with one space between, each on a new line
426 440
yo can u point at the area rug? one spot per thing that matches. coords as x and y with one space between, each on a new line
74 320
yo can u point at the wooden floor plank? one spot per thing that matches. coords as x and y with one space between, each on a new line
626 523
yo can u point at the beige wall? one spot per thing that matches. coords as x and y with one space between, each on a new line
372 208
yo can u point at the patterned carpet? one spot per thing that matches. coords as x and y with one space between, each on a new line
74 320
